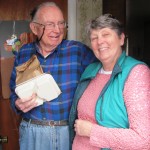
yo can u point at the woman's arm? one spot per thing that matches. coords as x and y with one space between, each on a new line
137 100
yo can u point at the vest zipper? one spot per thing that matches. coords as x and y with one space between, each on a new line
101 118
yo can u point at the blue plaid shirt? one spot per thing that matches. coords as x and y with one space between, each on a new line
65 64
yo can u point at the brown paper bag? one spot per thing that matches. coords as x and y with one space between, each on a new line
28 70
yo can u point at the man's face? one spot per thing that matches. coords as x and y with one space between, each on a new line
50 26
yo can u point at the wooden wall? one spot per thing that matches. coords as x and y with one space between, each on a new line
20 9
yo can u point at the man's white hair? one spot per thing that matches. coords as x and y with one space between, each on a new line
45 4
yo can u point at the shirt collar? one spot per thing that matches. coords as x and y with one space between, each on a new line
39 51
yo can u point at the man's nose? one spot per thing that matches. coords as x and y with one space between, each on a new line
56 28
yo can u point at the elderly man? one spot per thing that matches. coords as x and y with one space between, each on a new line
45 127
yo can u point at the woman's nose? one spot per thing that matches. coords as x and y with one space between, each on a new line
100 40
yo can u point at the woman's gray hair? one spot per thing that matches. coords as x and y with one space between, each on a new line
105 21
37 8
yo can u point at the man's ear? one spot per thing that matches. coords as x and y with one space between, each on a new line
33 28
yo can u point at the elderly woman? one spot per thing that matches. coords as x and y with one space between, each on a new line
111 106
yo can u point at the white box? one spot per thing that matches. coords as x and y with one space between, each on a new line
43 85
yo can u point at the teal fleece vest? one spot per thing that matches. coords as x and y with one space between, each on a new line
110 109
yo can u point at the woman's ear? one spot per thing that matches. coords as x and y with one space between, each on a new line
122 38
33 28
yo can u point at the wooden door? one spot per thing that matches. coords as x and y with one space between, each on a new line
117 8
9 121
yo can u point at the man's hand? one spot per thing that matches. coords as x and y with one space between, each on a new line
26 104
83 127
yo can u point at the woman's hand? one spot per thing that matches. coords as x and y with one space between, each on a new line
83 127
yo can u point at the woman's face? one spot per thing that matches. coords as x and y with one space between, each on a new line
106 45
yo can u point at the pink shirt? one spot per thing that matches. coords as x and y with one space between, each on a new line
137 100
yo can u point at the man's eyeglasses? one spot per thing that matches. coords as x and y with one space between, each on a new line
51 26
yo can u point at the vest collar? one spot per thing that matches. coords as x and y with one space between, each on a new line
93 68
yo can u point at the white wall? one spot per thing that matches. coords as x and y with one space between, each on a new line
79 12
72 20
